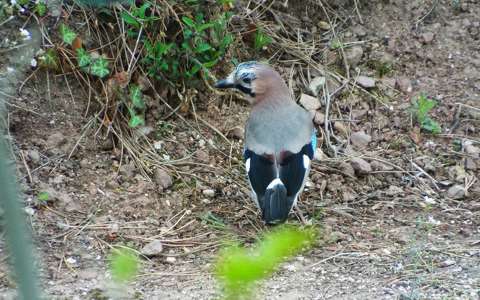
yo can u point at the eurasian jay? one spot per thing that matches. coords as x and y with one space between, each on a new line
280 139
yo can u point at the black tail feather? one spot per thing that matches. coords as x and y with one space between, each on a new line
275 205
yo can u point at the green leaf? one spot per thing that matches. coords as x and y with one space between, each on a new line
204 26
140 12
41 9
136 120
83 57
129 19
136 97
99 67
49 59
124 264
43 196
67 34
425 105
210 64
431 126
189 22
238 269
202 47
261 40
194 69
162 48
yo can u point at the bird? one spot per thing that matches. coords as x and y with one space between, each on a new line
280 139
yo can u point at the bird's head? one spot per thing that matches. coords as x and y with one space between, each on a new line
255 80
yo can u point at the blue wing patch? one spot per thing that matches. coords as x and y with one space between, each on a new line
314 141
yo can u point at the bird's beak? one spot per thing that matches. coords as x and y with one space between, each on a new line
225 83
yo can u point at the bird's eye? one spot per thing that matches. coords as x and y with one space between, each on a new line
247 80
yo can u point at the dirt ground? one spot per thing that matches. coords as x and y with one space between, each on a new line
404 226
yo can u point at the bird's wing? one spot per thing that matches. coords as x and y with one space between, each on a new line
261 170
294 168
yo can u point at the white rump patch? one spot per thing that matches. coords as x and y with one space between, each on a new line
306 162
247 165
274 183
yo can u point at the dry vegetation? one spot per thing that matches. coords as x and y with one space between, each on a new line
118 145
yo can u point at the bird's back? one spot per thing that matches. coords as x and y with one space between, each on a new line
274 130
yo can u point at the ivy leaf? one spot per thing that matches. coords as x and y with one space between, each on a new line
189 22
210 64
204 26
67 34
49 59
129 19
41 8
43 196
99 67
136 97
202 47
431 126
124 264
135 121
84 59
140 12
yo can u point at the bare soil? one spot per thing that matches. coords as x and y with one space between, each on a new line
395 232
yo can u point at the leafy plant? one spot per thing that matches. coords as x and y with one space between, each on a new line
262 40
239 268
41 8
421 108
43 196
49 59
124 264
67 34
136 107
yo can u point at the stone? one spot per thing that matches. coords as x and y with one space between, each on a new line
427 37
359 31
162 179
319 118
323 25
170 260
153 248
341 128
202 156
347 169
127 170
470 164
366 82
456 192
55 140
360 166
404 84
34 156
471 149
236 133
209 193
447 263
360 139
317 84
319 155
354 55
309 102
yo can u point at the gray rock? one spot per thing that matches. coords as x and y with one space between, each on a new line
309 102
404 84
360 139
153 248
236 133
470 164
347 168
354 55
209 193
202 156
427 37
317 84
360 166
162 179
447 263
127 170
55 140
34 156
366 82
456 192
359 31
319 118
